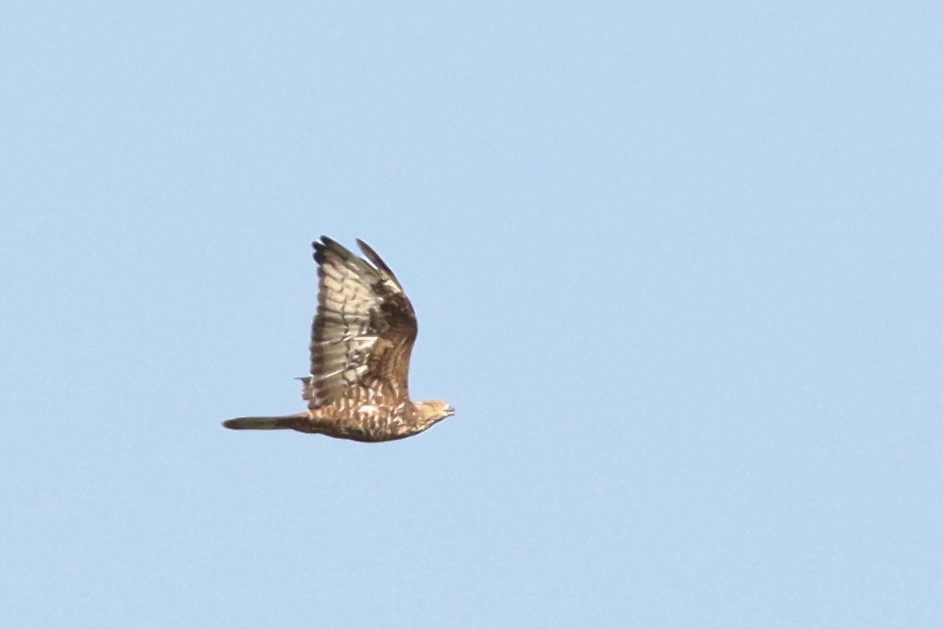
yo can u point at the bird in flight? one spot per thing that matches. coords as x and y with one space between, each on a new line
361 340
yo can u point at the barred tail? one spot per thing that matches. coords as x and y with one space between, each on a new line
259 423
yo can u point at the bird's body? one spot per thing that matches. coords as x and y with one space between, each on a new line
361 342
364 422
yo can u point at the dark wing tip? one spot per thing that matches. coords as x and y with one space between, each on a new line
327 244
377 261
367 250
321 246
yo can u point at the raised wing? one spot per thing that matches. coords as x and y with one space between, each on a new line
363 332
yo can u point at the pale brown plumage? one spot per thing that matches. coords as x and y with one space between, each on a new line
361 340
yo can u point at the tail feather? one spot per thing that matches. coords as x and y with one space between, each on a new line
258 423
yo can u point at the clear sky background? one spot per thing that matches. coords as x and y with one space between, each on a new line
676 264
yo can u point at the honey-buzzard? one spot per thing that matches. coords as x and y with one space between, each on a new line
362 337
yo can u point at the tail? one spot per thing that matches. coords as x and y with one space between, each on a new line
260 423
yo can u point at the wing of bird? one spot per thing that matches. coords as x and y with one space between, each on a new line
363 332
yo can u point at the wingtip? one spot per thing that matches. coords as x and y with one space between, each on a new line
377 261
329 244
320 246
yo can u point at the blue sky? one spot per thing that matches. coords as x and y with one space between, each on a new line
677 265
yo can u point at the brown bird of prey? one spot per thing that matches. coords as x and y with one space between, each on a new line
362 336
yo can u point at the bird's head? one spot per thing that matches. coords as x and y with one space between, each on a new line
432 412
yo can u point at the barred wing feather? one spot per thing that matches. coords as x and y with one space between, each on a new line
363 332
